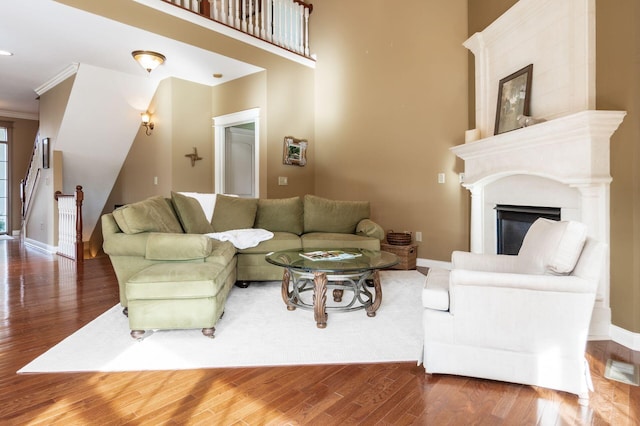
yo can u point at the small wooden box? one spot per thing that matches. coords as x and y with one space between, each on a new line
407 255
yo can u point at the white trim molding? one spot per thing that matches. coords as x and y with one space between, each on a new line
625 337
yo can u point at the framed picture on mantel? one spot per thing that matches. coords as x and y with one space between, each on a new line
514 92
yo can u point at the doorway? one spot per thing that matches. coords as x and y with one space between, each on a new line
237 149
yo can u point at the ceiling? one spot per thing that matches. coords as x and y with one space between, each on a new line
47 38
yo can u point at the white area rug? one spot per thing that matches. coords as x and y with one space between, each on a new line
256 330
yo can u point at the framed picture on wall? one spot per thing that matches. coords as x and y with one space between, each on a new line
45 153
514 93
295 151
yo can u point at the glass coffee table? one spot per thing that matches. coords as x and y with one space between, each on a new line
305 282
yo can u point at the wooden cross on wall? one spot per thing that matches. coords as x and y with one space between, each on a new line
194 156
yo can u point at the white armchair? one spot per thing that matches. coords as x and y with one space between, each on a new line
521 319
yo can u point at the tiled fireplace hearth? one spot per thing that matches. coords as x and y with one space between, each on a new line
562 162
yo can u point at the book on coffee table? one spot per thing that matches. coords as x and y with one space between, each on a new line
329 255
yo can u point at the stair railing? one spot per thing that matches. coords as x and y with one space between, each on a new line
284 23
28 184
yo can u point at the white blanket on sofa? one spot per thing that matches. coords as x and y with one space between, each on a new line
242 238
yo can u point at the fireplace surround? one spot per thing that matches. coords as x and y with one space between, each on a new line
562 162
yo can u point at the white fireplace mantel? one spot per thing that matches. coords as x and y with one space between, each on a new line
573 150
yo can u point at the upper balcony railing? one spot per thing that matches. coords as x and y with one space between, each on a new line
284 23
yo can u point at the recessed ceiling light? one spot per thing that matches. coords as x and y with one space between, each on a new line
5 53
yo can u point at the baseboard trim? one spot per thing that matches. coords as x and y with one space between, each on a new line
625 337
429 263
40 246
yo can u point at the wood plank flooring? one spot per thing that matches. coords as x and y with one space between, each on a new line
43 300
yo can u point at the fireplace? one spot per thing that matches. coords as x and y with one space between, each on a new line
562 162
513 222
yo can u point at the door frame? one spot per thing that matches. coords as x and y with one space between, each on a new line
220 124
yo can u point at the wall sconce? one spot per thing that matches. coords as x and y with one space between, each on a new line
147 123
147 59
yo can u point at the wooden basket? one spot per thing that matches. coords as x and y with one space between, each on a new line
399 238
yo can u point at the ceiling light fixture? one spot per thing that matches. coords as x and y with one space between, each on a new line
148 59
5 53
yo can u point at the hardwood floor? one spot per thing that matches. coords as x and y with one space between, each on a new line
44 299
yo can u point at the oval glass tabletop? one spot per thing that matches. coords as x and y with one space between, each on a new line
336 261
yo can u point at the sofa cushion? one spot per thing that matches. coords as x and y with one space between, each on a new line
190 214
553 246
280 215
222 252
280 241
332 240
207 202
323 215
154 214
161 246
175 281
233 213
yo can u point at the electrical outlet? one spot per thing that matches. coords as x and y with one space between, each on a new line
418 236
461 177
441 178
155 180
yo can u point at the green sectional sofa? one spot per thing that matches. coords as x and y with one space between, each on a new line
172 275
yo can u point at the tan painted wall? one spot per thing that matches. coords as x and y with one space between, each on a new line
391 99
23 136
617 88
43 217
181 112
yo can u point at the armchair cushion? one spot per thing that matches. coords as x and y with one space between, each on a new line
553 247
233 213
435 294
190 214
154 214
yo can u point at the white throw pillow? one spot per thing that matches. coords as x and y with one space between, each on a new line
553 246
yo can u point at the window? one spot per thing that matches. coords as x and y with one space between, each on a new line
4 179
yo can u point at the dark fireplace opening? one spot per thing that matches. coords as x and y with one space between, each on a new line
513 222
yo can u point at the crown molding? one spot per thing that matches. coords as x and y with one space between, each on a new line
17 114
58 78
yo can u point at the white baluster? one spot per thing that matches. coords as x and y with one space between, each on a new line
224 11
236 12
300 26
306 31
212 10
263 14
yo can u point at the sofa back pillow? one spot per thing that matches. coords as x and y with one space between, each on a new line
553 247
154 214
207 202
233 213
323 215
190 214
280 215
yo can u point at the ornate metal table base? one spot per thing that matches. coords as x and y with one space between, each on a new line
295 283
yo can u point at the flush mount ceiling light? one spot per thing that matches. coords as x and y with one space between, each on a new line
148 59
5 53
